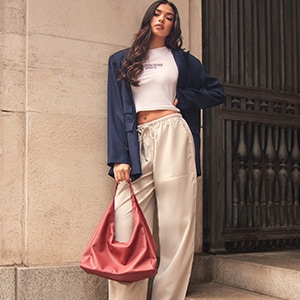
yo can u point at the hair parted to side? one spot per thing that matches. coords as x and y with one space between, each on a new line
137 54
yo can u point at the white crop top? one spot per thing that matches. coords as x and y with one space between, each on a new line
158 81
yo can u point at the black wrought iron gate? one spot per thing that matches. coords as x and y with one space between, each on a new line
252 143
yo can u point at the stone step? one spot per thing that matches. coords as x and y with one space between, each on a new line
264 274
217 291
276 274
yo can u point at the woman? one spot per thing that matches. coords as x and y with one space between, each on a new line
155 93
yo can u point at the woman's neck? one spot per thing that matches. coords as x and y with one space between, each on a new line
157 43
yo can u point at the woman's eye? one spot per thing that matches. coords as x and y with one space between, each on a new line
170 19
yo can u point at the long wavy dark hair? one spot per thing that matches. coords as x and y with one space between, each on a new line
137 54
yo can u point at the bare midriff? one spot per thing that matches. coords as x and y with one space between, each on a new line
148 116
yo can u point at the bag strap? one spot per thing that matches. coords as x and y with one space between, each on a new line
132 194
131 188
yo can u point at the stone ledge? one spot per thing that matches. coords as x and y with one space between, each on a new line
59 283
202 271
50 283
272 273
70 282
214 291
7 290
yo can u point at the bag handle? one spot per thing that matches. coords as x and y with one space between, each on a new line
132 194
130 185
131 188
136 209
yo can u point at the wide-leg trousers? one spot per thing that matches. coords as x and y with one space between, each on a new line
169 185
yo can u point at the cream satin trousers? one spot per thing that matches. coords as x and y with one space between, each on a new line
169 185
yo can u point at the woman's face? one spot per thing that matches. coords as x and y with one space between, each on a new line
162 21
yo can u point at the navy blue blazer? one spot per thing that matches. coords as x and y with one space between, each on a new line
196 90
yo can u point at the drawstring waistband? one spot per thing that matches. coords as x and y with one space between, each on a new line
147 129
148 132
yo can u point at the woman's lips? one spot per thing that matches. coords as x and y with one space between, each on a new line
159 26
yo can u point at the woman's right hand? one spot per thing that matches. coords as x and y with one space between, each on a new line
122 172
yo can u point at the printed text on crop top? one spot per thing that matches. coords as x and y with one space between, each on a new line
158 81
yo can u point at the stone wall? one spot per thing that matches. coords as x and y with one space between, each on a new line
54 184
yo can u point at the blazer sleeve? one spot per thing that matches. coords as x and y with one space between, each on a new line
201 90
117 145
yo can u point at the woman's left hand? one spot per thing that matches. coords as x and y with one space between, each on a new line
175 102
122 172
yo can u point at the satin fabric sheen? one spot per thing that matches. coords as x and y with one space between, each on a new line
121 261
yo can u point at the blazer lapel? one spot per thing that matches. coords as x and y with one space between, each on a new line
181 59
